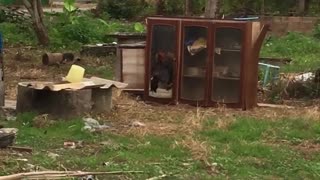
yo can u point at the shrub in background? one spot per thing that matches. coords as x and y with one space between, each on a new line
122 9
17 34
177 7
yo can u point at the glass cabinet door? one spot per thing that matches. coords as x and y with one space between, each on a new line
227 65
194 62
162 57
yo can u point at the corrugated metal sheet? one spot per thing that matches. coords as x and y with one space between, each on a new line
93 82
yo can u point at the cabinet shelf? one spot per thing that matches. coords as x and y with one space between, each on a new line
194 76
220 50
231 50
227 78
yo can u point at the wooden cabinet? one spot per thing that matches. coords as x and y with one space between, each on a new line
202 62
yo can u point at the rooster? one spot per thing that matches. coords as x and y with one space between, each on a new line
162 71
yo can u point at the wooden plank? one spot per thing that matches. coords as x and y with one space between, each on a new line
256 28
20 149
275 106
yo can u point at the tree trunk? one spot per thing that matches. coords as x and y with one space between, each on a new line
34 7
42 33
187 7
211 8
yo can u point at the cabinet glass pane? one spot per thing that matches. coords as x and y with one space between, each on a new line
162 59
227 66
194 63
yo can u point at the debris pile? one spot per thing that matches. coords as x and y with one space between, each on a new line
93 125
294 86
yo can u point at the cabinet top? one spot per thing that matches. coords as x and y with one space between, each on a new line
199 19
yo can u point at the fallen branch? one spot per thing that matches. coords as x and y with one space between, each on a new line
20 149
60 174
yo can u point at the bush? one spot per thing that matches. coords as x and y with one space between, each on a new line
174 7
177 7
2 16
77 32
66 31
122 9
15 34
83 29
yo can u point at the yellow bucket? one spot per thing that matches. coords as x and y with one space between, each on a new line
75 74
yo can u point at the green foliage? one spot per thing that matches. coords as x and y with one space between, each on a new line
254 6
70 11
317 31
16 34
198 6
174 7
67 30
273 7
77 32
177 7
82 29
138 27
2 16
122 9
26 119
69 5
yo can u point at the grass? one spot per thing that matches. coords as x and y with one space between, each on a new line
15 34
302 49
243 148
258 148
102 71
246 148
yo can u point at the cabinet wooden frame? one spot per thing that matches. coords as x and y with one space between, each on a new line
252 36
150 24
202 24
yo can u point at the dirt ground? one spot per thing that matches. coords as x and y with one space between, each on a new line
28 67
25 64
159 120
